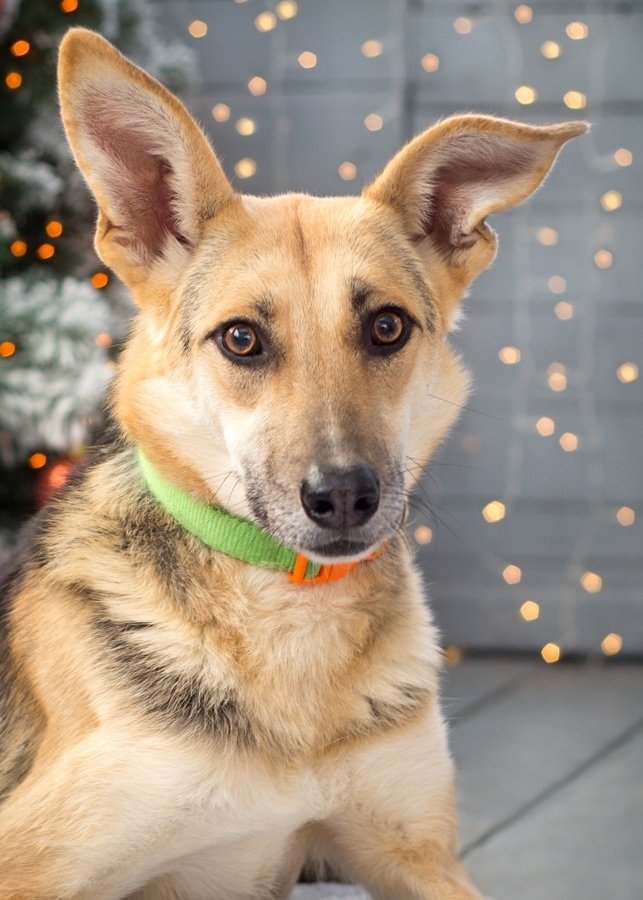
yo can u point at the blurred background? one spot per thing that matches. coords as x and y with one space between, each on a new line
528 524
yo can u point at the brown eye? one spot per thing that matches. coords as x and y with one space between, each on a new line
241 340
388 329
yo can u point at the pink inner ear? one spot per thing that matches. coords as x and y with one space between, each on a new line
138 182
475 168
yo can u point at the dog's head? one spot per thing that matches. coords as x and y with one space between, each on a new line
290 358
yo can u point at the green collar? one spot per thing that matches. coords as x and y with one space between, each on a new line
223 531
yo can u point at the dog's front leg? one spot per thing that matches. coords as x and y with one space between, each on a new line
86 823
396 834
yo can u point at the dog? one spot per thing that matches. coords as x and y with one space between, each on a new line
217 662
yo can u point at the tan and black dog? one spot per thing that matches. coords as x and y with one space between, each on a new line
216 660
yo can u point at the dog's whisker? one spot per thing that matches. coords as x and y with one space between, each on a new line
464 406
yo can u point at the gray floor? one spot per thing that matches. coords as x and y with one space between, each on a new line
550 783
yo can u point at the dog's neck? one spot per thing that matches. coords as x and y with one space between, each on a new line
235 536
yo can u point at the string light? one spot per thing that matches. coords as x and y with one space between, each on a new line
7 348
611 200
221 112
575 100
523 14
18 248
509 355
423 534
100 280
494 511
525 95
568 441
245 168
307 60
347 171
512 574
37 460
627 372
245 126
556 284
564 310
430 62
46 251
69 6
13 80
463 25
287 9
545 426
371 49
266 21
20 48
548 237
530 610
54 229
591 582
198 29
550 50
623 157
557 377
626 516
603 259
103 340
550 653
257 86
577 31
611 644
373 122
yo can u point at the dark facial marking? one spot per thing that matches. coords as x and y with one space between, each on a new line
407 260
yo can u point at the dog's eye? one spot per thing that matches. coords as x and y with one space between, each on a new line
241 340
388 329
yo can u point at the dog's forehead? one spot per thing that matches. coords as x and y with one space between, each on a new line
298 246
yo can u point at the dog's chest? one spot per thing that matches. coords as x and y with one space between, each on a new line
283 685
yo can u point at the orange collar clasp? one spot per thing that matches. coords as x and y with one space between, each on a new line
327 573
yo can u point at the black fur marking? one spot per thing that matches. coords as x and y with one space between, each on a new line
20 719
388 715
153 538
360 295
178 699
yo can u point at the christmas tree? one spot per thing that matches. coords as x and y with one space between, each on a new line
61 312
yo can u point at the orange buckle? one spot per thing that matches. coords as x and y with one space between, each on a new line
327 573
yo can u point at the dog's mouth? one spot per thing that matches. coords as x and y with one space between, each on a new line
340 550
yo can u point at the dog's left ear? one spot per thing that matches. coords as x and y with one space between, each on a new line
153 173
446 180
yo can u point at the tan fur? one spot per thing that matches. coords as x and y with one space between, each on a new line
184 725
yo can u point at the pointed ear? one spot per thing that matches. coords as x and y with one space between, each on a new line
151 169
446 180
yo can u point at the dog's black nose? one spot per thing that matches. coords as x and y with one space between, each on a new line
341 498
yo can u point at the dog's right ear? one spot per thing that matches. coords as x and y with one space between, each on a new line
152 171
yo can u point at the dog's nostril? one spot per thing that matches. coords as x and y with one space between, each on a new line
322 507
341 498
